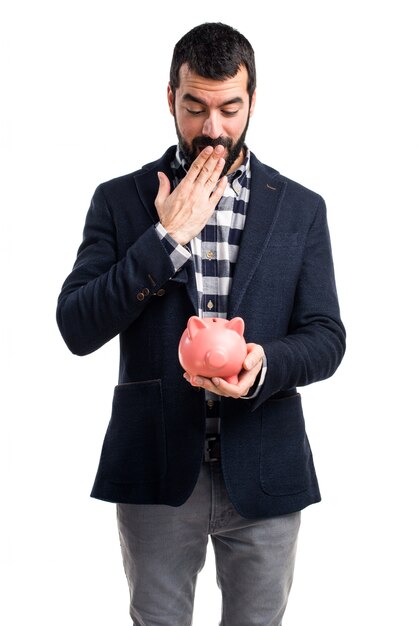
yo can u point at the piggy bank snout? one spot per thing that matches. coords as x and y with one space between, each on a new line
217 357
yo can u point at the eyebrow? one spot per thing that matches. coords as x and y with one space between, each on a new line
188 97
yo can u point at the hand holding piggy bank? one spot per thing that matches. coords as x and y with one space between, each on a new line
213 346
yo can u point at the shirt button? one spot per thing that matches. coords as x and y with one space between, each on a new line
210 255
210 305
210 404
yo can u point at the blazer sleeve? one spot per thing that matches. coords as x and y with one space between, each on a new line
315 343
104 293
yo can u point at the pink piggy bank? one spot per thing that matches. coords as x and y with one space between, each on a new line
213 346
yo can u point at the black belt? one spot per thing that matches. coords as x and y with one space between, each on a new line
212 448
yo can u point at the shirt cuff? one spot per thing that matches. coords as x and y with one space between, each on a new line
255 389
178 254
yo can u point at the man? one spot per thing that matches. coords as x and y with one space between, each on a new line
208 230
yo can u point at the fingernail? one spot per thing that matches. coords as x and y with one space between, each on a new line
219 149
207 150
197 380
216 381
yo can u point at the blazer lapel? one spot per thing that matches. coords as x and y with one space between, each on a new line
266 193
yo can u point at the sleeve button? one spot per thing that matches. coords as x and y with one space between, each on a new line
140 296
160 292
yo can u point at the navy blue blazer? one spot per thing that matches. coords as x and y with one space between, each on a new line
123 283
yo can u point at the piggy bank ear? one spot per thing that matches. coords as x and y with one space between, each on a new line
237 324
194 325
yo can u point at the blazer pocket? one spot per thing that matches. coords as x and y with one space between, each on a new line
286 459
134 448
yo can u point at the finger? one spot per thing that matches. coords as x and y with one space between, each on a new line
219 191
212 167
223 388
212 176
163 189
255 354
198 164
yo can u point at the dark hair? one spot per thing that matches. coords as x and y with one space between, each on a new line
213 50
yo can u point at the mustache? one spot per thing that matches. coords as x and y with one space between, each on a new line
201 142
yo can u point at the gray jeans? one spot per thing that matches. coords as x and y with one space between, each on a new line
164 549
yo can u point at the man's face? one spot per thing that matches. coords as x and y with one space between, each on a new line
210 112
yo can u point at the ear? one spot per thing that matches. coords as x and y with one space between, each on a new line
170 99
252 104
194 325
237 324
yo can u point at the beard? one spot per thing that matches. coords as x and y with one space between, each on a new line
192 150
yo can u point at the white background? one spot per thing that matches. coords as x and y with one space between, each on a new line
84 84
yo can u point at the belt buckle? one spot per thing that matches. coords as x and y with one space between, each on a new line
212 449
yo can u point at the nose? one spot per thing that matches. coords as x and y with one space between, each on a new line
212 126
